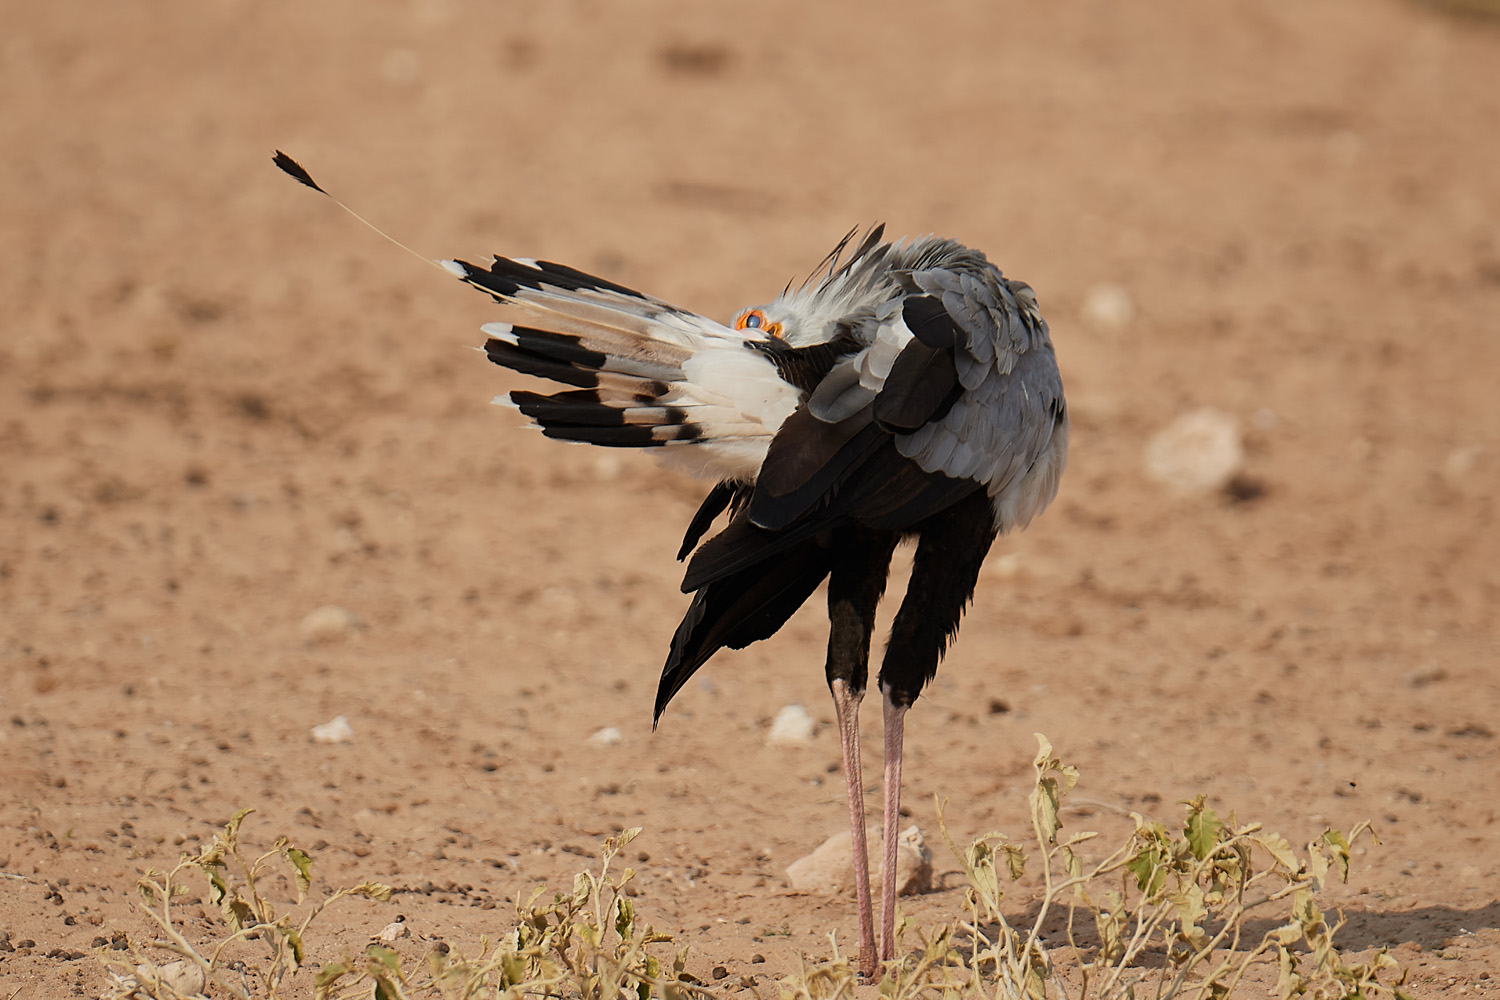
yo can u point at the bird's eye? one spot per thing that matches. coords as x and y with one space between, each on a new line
755 319
752 319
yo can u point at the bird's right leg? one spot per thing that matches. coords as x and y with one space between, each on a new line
855 586
944 571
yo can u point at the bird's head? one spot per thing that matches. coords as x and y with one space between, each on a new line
762 322
787 321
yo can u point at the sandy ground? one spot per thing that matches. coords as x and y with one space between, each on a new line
224 405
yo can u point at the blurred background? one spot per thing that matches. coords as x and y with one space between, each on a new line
249 481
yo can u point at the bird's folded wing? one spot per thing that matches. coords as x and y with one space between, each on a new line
969 402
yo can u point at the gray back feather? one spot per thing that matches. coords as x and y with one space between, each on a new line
1012 403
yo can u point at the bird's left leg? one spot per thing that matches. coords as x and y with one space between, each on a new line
944 572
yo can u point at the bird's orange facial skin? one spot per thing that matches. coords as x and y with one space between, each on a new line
755 319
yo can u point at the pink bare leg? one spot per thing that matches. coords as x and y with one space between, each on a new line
846 708
895 716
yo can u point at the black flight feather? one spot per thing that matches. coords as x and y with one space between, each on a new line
527 363
805 464
725 495
929 320
505 277
921 388
740 609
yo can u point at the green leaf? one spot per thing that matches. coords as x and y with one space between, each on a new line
583 885
1286 934
1288 983
294 942
1317 865
1044 757
327 976
237 912
513 970
1147 867
372 890
980 864
232 828
1044 803
381 955
1054 779
1111 924
1036 977
1280 849
1340 852
653 971
299 860
1015 860
210 855
1188 903
1071 862
624 918
217 887
1203 828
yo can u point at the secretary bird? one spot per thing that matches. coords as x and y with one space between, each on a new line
906 390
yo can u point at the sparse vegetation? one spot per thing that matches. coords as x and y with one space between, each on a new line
1165 914
1168 914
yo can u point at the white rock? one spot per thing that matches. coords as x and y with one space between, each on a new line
607 737
172 979
329 623
1108 307
792 725
394 931
336 730
1198 452
830 868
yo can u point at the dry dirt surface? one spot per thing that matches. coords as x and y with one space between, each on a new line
225 405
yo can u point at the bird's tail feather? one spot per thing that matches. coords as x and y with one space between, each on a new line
742 608
639 371
627 391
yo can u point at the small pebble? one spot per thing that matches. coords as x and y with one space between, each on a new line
337 730
329 623
394 931
1199 452
793 725
180 978
607 737
1108 307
